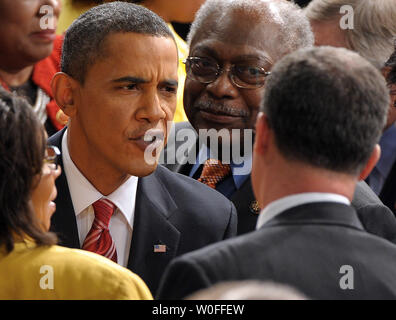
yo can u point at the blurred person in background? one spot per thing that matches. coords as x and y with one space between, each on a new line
369 30
388 191
32 266
30 55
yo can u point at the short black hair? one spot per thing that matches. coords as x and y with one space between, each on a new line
84 39
391 63
327 108
22 149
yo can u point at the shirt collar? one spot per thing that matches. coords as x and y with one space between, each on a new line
240 172
278 206
84 194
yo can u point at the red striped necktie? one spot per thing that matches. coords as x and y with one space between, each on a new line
98 239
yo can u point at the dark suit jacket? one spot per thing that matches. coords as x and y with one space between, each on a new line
170 209
305 247
388 191
375 217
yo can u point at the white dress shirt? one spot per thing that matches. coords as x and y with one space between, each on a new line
84 194
278 206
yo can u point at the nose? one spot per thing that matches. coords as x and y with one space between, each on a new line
151 110
54 4
222 87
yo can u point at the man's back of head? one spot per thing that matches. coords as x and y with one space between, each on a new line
335 133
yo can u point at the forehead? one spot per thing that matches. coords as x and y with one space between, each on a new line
240 34
227 51
137 54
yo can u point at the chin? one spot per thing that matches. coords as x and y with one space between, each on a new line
143 170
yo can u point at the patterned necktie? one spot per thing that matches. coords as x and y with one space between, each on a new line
98 239
213 172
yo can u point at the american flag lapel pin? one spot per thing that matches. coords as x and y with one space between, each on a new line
160 248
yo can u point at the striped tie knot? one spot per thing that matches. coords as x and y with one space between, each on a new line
214 172
98 239
103 209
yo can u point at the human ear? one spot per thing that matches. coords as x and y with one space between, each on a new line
262 134
64 90
372 161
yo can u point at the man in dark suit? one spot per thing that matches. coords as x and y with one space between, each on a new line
118 86
308 155
224 101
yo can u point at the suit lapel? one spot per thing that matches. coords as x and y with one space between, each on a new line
152 226
247 207
63 221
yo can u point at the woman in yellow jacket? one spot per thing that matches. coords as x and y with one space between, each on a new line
182 11
31 265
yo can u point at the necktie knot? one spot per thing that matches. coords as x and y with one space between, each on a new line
214 172
103 209
98 239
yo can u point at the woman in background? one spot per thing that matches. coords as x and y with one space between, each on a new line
30 55
32 266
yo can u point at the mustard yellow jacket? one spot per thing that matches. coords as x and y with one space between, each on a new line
54 272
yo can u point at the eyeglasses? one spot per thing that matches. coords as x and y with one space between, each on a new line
242 75
51 157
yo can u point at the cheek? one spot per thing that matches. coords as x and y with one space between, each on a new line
253 102
192 91
41 194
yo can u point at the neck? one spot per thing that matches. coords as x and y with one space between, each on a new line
302 179
16 78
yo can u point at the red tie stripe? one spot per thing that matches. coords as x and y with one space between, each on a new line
214 172
98 239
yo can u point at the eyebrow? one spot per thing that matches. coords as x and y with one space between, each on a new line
131 79
170 82
212 52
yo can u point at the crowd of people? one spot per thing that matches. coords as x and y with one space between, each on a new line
255 159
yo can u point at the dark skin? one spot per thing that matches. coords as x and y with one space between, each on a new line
221 104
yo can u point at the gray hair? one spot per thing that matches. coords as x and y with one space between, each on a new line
295 31
84 39
374 25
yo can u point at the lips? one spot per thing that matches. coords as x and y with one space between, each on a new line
47 35
152 138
